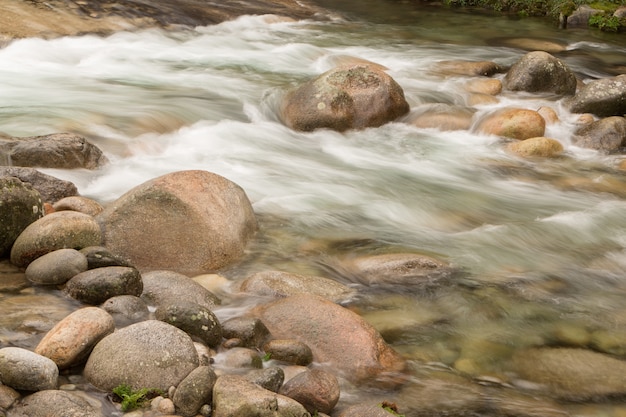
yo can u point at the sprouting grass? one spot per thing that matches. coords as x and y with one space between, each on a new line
130 399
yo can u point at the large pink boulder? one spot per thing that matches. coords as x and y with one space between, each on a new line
187 221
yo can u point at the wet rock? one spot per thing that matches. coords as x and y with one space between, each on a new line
369 410
99 257
72 339
239 357
289 350
24 370
441 394
489 86
161 288
406 269
194 319
608 134
548 114
284 284
51 189
78 203
609 341
235 396
55 403
270 378
186 221
536 147
316 390
21 206
540 72
251 332
570 373
56 267
194 391
347 97
65 229
338 337
477 99
531 44
148 354
512 123
604 97
441 116
468 68
98 285
58 150
126 309
580 17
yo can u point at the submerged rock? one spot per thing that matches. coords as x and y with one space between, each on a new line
186 221
467 68
536 147
442 117
58 150
347 97
338 338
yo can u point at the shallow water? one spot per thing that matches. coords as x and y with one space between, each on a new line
541 243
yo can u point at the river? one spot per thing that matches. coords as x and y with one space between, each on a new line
541 243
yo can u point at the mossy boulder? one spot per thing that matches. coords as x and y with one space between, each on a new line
20 205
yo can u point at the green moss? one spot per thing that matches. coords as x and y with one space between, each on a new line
130 399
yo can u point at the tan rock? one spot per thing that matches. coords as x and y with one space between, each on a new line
489 86
71 340
548 114
189 221
338 338
540 146
468 68
513 123
441 116
80 204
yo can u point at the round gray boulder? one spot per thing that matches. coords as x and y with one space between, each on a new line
64 229
162 288
24 370
346 97
604 97
539 71
194 319
188 221
20 206
57 267
150 354
95 286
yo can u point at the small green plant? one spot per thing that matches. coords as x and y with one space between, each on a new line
267 356
130 399
604 22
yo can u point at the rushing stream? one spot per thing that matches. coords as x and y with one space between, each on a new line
541 243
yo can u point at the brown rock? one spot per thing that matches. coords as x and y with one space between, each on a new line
441 116
80 204
338 338
489 86
21 206
316 390
58 150
541 147
187 221
289 350
51 189
548 114
347 97
468 68
513 123
73 338
608 134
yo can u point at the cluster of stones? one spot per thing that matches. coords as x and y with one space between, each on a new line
361 94
148 327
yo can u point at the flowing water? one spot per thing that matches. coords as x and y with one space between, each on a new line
541 243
